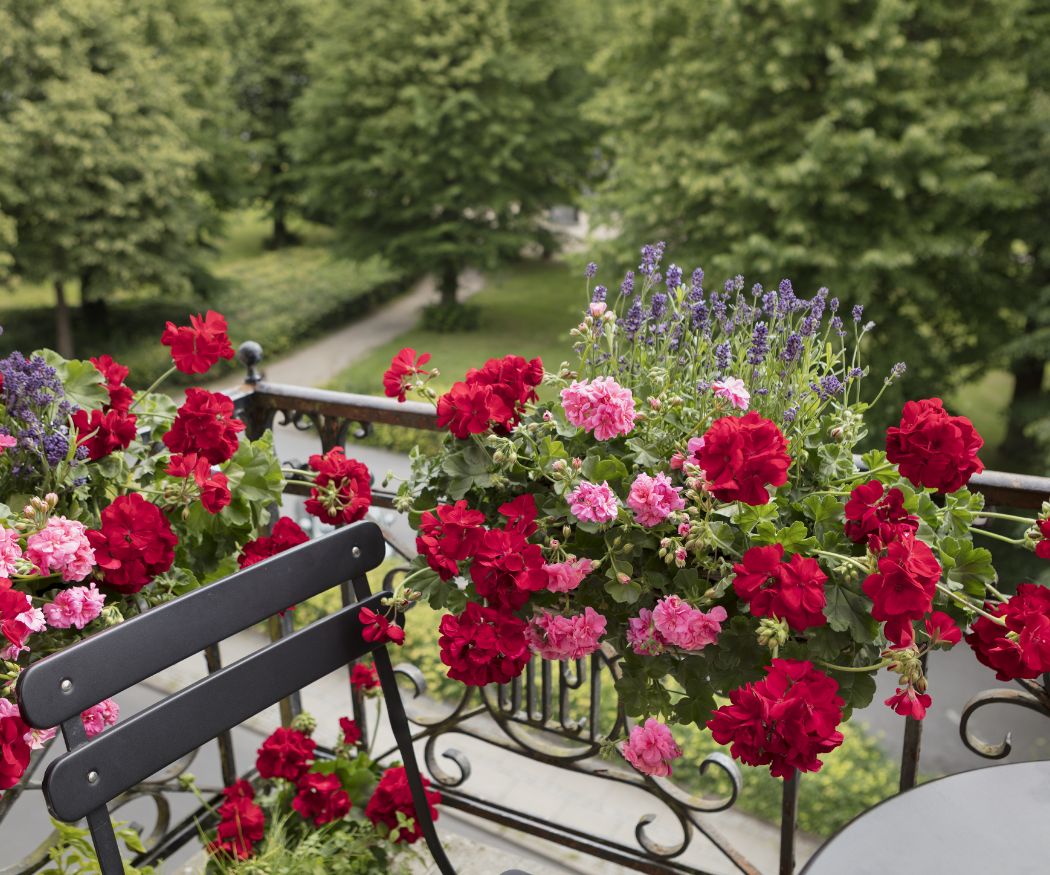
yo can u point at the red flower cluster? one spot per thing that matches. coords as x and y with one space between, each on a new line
1021 648
483 646
13 605
214 486
743 455
241 823
134 544
205 425
376 627
393 795
784 720
286 533
493 396
878 517
321 798
910 703
14 750
506 567
791 591
1042 546
449 536
942 630
112 428
199 345
351 731
932 448
902 589
363 676
403 367
342 491
286 754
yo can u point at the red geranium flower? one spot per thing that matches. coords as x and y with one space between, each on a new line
1021 648
241 825
214 487
321 798
483 646
199 345
393 795
351 731
743 455
13 605
932 448
494 396
114 373
903 587
104 432
448 536
376 627
285 754
14 750
877 518
942 630
909 703
792 591
405 365
521 514
286 534
1042 546
134 544
363 676
342 491
205 425
507 568
784 720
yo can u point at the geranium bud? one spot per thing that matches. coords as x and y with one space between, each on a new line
577 463
555 543
566 532
654 402
305 723
623 578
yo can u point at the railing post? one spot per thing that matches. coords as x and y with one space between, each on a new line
788 823
912 748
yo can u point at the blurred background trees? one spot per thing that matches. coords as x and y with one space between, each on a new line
891 150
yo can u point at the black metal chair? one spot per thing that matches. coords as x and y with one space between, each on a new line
54 692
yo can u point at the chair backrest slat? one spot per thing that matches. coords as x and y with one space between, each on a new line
89 776
118 658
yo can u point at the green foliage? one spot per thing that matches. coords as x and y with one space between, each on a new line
442 143
855 146
449 318
74 854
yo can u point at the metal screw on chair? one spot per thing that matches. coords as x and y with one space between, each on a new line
356 552
92 777
66 685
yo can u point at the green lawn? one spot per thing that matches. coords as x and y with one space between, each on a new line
276 298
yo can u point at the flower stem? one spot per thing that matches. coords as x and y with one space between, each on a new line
1006 516
979 531
153 386
854 669
966 603
852 560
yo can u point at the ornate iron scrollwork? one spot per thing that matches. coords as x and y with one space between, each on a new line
1034 696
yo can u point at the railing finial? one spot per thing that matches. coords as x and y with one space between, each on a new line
250 354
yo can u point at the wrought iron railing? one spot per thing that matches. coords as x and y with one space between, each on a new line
539 715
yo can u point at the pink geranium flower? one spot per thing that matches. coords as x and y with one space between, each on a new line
684 626
62 546
74 607
98 717
10 552
642 635
653 499
594 502
566 576
556 637
651 748
691 455
7 441
600 405
733 390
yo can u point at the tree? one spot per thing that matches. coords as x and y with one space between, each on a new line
443 143
845 144
269 40
97 169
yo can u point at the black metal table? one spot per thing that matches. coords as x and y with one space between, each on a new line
979 822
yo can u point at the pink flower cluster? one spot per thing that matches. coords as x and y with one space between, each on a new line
556 637
654 499
650 748
566 576
74 607
62 546
600 405
733 390
594 502
10 552
98 717
674 623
